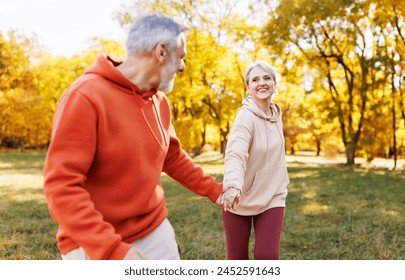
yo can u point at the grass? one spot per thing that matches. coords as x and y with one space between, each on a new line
26 230
344 213
333 212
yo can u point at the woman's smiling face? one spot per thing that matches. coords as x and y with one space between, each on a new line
261 84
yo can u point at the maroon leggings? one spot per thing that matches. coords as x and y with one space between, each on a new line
267 227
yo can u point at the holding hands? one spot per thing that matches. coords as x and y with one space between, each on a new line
230 198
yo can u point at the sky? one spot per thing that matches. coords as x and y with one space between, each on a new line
63 27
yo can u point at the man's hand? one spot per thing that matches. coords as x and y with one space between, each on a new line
219 201
230 198
134 254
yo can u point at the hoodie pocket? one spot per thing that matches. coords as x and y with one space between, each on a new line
266 185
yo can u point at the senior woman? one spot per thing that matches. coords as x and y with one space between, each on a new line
255 172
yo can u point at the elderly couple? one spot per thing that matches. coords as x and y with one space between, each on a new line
112 137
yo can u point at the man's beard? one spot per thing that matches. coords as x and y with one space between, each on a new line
167 81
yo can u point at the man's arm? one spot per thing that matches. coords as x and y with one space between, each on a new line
181 168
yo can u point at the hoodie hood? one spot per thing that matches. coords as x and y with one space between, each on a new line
105 66
249 103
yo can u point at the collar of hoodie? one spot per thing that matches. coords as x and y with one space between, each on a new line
250 104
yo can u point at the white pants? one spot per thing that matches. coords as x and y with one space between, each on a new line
160 244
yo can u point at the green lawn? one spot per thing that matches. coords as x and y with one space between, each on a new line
333 212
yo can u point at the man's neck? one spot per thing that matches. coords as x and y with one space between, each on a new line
141 71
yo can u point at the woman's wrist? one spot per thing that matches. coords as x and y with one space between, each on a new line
232 187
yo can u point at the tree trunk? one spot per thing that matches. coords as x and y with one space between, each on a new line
350 153
394 129
292 150
223 146
318 147
203 136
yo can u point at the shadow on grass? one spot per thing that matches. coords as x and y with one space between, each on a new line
344 213
196 221
332 213
20 162
27 229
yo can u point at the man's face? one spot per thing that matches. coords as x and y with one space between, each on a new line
174 65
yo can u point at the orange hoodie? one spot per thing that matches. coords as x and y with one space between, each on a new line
110 143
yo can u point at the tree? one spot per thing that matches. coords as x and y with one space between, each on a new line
19 99
336 37
389 16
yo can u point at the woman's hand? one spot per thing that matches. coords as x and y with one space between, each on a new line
230 198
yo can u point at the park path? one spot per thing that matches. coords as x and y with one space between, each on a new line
376 163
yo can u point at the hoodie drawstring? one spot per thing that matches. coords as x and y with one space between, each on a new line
159 120
267 144
138 100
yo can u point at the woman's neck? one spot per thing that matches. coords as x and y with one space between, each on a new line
263 105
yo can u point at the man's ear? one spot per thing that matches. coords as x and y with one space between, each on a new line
161 52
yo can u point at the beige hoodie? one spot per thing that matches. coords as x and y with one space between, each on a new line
255 159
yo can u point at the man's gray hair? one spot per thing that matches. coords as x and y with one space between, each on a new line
266 67
152 29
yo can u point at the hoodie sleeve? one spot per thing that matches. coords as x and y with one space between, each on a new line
237 150
69 158
179 166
